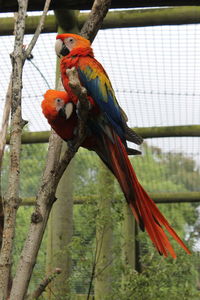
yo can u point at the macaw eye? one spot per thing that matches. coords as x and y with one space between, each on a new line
59 103
71 40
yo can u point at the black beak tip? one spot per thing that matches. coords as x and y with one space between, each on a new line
62 112
64 51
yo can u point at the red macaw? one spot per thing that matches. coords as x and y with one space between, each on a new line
60 112
77 53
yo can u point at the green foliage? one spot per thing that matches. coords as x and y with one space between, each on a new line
22 225
32 164
158 172
160 279
86 171
83 246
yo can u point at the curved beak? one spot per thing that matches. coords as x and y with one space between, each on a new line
69 107
67 110
61 48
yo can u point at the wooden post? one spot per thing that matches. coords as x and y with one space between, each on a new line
116 19
128 244
145 132
60 225
60 230
104 235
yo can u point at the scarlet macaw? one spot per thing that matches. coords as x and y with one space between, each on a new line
77 53
60 112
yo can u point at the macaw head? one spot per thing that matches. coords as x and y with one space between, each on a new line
67 42
56 103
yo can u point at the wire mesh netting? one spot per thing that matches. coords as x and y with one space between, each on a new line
154 72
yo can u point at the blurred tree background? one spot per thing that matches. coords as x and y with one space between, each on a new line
176 279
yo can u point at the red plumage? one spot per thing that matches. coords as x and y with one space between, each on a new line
142 206
113 153
56 120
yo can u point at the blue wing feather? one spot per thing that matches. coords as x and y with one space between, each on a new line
106 102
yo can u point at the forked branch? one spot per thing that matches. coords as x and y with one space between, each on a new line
53 172
44 201
43 285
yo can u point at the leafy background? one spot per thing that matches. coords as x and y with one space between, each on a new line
176 279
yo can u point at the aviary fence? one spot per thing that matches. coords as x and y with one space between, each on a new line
154 71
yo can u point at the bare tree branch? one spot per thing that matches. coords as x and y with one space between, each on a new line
95 19
7 106
5 121
3 132
45 199
6 112
38 30
11 202
42 286
44 202
46 194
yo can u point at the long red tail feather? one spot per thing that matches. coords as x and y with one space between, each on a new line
144 209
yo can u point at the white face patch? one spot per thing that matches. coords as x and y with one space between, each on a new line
68 110
69 43
58 47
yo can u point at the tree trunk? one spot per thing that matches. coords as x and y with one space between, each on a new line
60 229
104 235
12 200
128 245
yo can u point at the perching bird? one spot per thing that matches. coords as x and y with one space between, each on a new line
76 52
60 112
